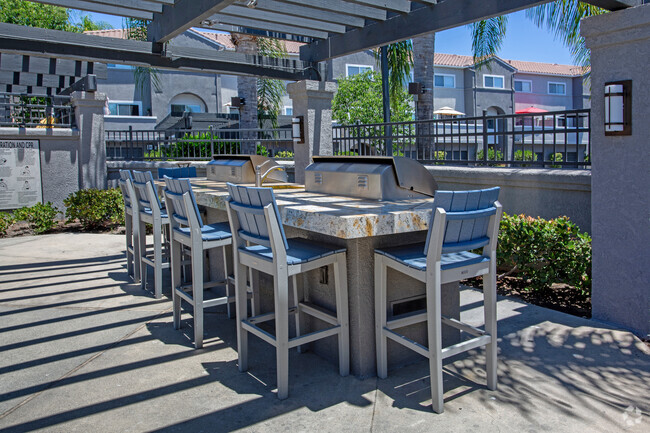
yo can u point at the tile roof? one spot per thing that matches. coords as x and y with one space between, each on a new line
220 38
521 66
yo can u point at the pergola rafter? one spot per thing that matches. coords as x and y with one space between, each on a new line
329 28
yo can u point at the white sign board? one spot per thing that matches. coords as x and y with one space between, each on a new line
20 174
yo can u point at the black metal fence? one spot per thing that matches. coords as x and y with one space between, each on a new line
35 111
197 144
549 139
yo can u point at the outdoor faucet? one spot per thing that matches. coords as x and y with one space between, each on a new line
259 176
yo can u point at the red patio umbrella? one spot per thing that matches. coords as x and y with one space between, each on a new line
531 110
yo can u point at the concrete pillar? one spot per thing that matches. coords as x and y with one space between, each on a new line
620 206
313 101
247 88
89 114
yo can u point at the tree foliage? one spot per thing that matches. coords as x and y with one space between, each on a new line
400 64
26 13
359 99
560 17
270 91
136 29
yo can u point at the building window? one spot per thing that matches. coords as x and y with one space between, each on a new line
556 88
444 80
356 69
179 109
124 108
493 81
288 111
118 66
523 86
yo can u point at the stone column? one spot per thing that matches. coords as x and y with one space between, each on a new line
620 180
89 114
313 101
247 88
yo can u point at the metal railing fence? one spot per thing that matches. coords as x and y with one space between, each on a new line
196 145
550 139
35 111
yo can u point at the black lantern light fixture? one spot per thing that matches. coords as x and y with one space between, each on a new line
618 108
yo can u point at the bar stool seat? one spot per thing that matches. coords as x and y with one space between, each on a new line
414 257
259 243
189 231
462 221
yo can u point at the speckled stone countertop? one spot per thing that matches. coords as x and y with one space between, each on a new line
338 216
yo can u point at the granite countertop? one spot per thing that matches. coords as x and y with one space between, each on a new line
338 216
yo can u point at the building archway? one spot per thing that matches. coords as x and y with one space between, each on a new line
186 102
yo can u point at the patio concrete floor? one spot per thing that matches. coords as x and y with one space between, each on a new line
83 349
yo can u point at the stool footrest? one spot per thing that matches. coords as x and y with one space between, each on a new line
407 342
313 336
465 346
265 317
150 262
269 338
476 332
318 312
406 320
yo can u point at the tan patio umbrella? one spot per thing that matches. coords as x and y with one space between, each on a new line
448 111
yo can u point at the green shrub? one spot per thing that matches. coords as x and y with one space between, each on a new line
262 150
545 252
41 217
556 157
491 156
284 154
6 220
527 155
346 153
95 208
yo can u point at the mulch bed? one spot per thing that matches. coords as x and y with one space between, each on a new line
25 229
559 297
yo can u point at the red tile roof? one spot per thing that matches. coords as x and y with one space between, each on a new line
521 66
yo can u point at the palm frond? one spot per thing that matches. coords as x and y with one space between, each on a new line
269 91
563 19
487 38
400 64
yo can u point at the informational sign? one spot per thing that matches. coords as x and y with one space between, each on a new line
20 174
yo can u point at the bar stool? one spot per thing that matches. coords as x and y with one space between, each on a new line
462 221
188 230
254 219
151 212
131 224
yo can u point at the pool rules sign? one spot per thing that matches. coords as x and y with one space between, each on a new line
20 174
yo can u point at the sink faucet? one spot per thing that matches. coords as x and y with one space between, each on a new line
259 176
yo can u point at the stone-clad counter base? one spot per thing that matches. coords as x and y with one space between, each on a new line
338 221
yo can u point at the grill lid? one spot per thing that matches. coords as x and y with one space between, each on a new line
410 174
248 164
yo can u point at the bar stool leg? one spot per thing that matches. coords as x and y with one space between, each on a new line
142 253
281 283
228 291
341 289
490 313
241 306
197 293
128 223
380 317
176 258
434 330
157 260
137 246
296 303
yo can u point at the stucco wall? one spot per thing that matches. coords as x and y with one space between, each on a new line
450 97
59 159
540 98
547 193
620 49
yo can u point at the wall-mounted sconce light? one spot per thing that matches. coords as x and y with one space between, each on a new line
618 108
237 102
298 129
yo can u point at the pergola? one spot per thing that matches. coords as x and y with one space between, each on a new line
329 28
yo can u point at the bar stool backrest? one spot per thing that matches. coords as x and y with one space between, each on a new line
176 172
142 178
468 215
125 175
248 204
179 214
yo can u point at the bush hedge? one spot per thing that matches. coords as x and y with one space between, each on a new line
95 208
41 217
544 252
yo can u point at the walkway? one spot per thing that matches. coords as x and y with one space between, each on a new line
82 349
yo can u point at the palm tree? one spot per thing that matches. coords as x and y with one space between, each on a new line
561 17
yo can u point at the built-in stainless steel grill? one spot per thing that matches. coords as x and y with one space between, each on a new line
373 177
245 169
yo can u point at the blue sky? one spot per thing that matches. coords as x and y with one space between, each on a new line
524 41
